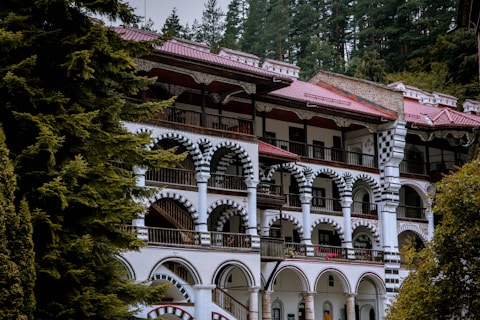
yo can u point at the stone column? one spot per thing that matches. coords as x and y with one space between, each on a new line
346 204
266 305
306 199
139 223
201 226
350 306
202 178
253 308
203 300
252 205
309 306
431 226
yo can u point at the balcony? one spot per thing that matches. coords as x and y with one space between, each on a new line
326 205
364 208
172 176
226 181
274 249
410 212
326 154
269 196
209 121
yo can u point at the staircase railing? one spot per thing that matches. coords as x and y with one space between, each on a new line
175 213
230 304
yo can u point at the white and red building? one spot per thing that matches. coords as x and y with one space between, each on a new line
296 197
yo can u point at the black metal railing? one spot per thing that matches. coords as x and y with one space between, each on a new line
411 212
324 153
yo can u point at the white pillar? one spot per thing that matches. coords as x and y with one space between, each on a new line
202 178
203 300
266 305
350 306
252 206
253 307
305 198
431 226
139 223
309 306
346 204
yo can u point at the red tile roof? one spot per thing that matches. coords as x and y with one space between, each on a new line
183 50
313 94
424 115
269 150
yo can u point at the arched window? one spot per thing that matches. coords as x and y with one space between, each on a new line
327 311
277 310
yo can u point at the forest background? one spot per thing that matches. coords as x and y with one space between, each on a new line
414 41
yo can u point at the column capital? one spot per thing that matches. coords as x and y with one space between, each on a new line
139 170
202 176
350 295
254 289
251 183
306 197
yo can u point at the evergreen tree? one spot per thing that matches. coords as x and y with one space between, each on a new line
17 274
278 31
372 67
64 78
234 23
172 26
253 40
211 27
445 280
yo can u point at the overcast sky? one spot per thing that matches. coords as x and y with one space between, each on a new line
159 10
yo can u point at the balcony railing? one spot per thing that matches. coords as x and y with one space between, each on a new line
326 204
409 212
226 181
163 236
172 176
415 167
210 121
230 304
276 249
272 249
230 240
366 208
293 200
269 188
324 153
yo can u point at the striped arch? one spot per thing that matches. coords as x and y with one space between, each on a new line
376 191
331 222
286 216
368 225
294 170
189 145
238 151
174 282
175 310
218 316
227 266
180 199
413 228
338 180
232 208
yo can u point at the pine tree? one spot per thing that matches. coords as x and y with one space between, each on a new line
172 26
210 30
372 67
253 40
17 274
234 23
64 78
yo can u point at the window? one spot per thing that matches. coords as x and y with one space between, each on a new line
318 197
318 149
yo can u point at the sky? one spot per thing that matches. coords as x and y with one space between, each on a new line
159 10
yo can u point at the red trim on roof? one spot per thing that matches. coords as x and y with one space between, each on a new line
429 116
269 150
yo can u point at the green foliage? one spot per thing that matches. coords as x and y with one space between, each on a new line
64 78
17 274
172 26
445 281
372 68
210 29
